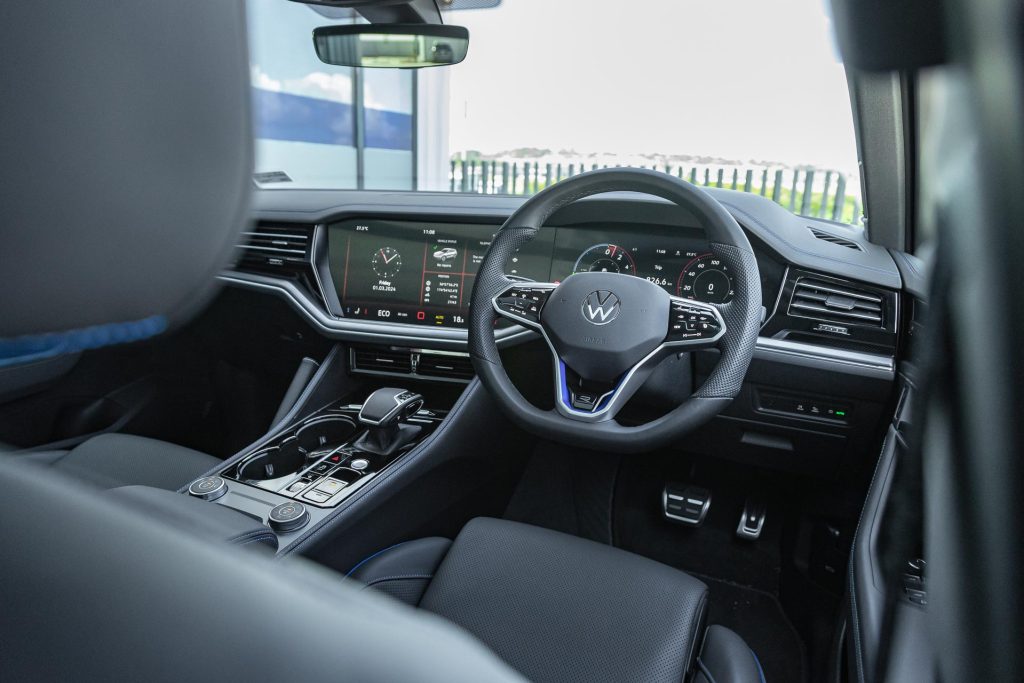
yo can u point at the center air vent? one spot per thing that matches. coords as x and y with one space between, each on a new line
445 366
835 239
822 300
382 360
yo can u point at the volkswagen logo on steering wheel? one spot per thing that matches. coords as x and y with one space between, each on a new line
601 307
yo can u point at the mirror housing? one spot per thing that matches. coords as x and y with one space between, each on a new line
396 46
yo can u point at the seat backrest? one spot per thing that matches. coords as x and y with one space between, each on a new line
125 181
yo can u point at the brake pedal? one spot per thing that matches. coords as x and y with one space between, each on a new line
685 504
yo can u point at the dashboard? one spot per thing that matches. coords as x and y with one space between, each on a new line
422 272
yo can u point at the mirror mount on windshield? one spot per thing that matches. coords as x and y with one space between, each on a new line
401 46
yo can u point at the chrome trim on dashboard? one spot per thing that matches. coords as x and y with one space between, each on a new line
826 357
373 332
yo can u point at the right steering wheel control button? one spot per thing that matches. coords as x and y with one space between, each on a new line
288 517
208 488
689 323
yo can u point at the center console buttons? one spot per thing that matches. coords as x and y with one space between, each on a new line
359 464
208 488
288 517
331 486
317 496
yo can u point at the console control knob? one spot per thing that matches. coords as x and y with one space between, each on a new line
359 464
208 488
288 517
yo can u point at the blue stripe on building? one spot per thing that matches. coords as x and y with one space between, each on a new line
297 118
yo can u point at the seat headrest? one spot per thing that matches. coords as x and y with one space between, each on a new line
127 158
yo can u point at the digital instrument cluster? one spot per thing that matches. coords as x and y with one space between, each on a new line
423 273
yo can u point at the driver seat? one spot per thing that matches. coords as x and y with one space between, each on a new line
561 608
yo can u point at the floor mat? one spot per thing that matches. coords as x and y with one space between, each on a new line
758 618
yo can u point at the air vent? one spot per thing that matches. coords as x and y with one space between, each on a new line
446 366
839 303
382 360
276 247
835 239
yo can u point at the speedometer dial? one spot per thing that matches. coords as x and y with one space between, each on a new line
705 278
605 258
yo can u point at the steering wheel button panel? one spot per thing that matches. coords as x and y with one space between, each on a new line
692 323
523 303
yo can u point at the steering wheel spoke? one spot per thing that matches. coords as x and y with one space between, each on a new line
588 401
521 302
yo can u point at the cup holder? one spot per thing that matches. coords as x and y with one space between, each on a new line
307 444
326 432
274 462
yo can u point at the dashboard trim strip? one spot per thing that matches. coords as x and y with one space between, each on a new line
780 350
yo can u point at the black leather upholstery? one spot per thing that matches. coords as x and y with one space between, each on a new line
560 608
200 518
725 658
97 590
112 460
403 571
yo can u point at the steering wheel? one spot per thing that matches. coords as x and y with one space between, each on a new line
608 331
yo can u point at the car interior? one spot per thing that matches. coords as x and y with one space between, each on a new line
628 427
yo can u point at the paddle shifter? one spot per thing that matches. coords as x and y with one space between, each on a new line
384 413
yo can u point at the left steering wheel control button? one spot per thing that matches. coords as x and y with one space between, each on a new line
288 517
523 302
208 488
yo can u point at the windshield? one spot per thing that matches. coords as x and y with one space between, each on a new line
740 94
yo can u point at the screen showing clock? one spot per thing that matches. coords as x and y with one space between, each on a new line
417 273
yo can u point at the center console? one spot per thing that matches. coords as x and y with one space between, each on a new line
299 475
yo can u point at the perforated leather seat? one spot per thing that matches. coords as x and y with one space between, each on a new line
113 460
561 608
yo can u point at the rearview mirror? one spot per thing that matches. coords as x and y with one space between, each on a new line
403 46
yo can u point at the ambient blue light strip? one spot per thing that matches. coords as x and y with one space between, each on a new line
35 347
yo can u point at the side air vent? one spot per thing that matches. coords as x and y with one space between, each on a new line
280 247
280 250
446 366
839 303
835 239
412 363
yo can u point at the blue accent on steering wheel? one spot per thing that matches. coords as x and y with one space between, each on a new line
36 347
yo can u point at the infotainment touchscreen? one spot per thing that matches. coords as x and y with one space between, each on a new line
418 273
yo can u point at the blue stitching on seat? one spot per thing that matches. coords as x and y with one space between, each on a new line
367 559
35 347
758 662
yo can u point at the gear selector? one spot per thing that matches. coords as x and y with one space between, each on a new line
384 413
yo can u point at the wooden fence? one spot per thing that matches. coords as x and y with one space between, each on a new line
808 191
